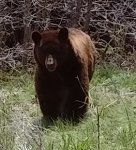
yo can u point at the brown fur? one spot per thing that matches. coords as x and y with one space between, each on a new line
64 92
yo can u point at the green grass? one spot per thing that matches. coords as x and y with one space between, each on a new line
110 123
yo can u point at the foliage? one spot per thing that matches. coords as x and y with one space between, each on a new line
109 125
111 24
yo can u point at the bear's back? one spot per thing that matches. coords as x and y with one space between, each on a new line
83 48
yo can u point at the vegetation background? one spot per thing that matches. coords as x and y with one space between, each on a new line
110 121
111 25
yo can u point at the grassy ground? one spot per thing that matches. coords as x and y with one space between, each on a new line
110 123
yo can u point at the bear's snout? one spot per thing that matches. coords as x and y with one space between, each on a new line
50 63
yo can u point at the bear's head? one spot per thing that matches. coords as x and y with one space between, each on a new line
52 48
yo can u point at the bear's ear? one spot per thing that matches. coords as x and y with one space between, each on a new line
63 35
36 37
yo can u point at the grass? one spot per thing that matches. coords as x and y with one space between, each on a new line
110 123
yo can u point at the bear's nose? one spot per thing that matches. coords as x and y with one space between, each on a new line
50 63
50 60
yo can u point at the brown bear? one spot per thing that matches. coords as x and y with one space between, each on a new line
65 64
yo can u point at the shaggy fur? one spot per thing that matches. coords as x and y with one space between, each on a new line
63 92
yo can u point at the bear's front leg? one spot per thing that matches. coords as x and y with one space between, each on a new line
48 107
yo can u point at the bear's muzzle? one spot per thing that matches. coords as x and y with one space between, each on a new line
50 63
